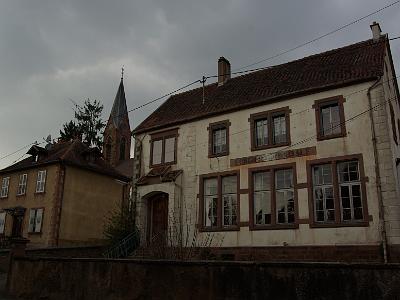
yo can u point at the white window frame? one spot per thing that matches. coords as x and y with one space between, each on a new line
5 184
35 220
41 181
23 179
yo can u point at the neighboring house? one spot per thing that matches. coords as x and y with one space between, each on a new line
296 161
61 195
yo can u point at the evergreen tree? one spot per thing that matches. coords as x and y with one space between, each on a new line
70 131
87 126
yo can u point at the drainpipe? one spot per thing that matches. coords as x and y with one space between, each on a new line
378 177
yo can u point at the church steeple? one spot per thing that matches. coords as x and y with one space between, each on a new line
117 135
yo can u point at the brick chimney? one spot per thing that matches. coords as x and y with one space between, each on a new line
376 31
224 70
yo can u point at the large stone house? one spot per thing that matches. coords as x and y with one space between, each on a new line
295 161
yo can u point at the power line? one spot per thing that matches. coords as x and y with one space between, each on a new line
314 136
18 150
395 38
320 37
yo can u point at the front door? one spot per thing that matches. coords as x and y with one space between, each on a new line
17 226
158 218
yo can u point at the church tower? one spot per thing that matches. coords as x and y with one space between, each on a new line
117 134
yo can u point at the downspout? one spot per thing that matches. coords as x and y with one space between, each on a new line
378 177
60 198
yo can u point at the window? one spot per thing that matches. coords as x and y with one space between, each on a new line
2 222
330 118
270 129
35 220
4 187
23 178
338 191
272 197
218 139
122 147
41 181
108 149
163 148
219 201
392 120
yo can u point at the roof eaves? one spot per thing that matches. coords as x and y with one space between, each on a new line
262 101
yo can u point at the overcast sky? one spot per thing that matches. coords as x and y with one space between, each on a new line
53 51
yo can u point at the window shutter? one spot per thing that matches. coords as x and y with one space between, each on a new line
43 180
39 218
32 220
2 222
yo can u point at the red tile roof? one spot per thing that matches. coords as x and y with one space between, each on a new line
73 153
343 66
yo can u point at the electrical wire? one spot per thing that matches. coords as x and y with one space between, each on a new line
319 37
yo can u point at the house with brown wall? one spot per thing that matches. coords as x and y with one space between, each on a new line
295 161
60 195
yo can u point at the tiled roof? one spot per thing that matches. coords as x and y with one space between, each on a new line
73 153
343 66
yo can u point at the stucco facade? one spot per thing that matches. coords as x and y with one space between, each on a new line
74 203
368 137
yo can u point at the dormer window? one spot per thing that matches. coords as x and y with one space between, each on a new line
163 148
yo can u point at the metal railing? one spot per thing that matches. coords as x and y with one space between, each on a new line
124 248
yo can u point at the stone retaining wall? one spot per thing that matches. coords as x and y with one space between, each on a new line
69 278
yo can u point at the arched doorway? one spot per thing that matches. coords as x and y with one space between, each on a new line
157 220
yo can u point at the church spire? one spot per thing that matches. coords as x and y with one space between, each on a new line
117 134
119 110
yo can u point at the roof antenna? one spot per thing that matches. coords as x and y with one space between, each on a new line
203 81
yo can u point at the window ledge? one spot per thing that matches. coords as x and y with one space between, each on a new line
218 155
336 225
274 227
330 137
219 229
264 147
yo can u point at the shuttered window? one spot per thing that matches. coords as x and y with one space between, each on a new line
4 187
2 221
23 178
41 181
35 220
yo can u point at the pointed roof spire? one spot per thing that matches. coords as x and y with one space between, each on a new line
119 110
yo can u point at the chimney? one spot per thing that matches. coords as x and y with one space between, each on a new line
224 70
376 31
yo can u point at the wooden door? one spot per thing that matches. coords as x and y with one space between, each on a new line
159 217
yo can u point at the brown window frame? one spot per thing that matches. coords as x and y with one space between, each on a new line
211 128
335 184
269 115
220 226
273 225
318 105
173 133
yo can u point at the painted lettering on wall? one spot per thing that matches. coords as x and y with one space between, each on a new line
273 156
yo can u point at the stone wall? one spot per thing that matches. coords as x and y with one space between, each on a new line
68 278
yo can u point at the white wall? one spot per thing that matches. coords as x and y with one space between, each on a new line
193 160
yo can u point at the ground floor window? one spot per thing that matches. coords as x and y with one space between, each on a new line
272 196
219 201
338 190
35 220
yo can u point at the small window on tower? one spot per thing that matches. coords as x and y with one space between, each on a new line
108 150
122 149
